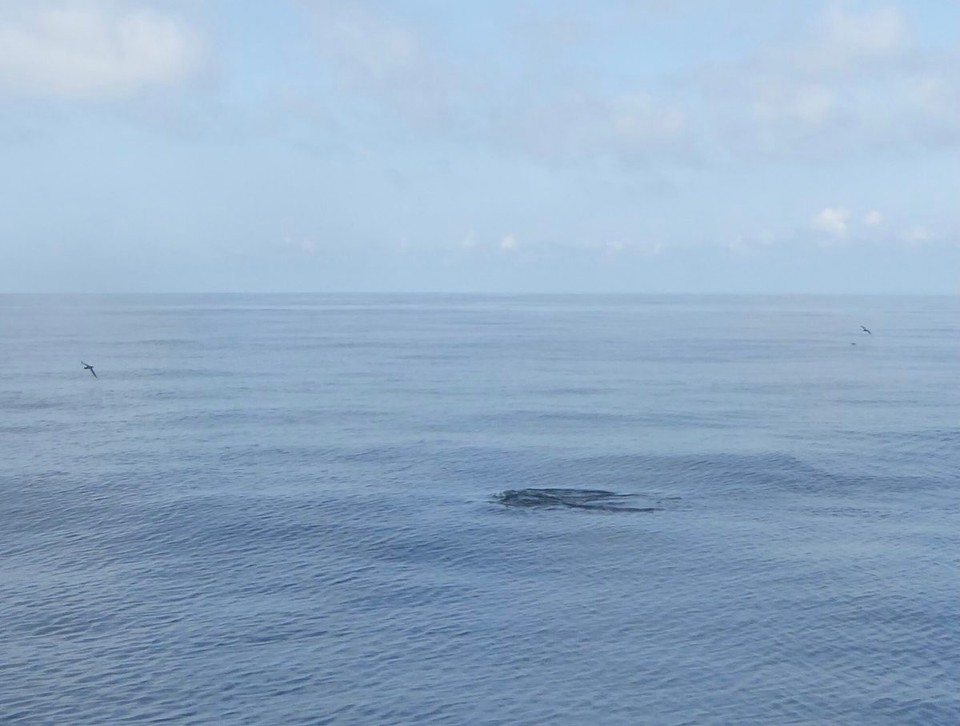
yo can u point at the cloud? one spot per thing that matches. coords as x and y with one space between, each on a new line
744 244
93 50
405 66
378 54
873 218
508 243
306 245
851 83
581 125
844 40
850 80
917 236
832 221
825 92
621 246
808 104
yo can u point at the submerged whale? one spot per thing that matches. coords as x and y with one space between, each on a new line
594 499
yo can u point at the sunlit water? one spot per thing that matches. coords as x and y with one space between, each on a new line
340 509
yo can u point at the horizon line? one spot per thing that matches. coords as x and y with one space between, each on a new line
479 293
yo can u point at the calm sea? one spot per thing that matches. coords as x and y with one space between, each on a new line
289 509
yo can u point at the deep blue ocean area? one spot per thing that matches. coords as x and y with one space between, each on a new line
363 509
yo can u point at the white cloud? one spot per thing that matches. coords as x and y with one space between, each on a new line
849 79
873 218
808 104
93 50
508 243
854 81
847 39
619 247
638 118
369 47
832 221
933 95
306 245
575 125
744 244
399 60
917 236
375 52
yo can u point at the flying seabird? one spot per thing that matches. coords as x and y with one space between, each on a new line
864 329
88 367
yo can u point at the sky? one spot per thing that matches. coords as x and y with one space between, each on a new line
521 146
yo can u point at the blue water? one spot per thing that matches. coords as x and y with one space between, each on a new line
284 509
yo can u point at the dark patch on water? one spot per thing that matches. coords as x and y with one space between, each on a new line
594 499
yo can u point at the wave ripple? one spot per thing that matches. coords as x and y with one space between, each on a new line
595 499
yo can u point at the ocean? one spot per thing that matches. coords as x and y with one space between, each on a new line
439 509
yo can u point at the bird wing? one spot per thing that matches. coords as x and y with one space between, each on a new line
93 371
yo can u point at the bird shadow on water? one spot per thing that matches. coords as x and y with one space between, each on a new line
597 500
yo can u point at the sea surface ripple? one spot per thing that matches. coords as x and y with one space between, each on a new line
485 510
